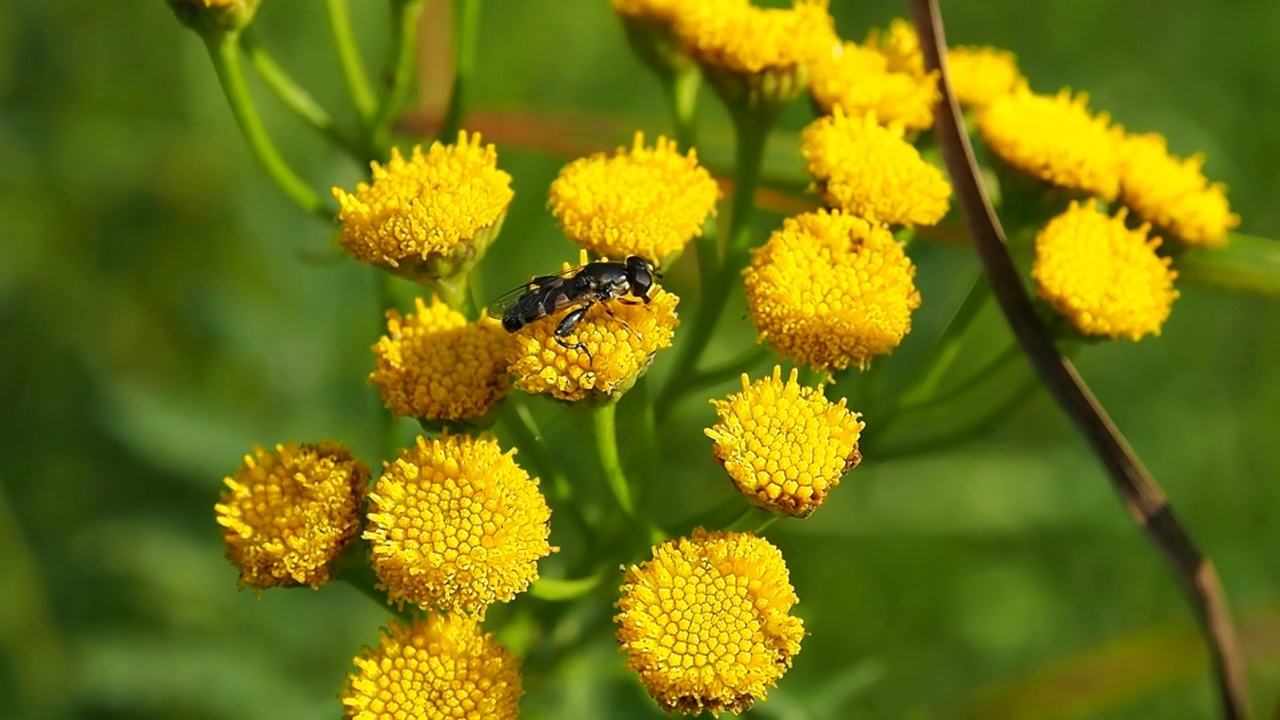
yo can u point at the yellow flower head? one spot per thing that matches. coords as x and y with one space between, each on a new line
287 515
646 202
1055 138
831 290
756 55
900 45
870 171
1103 276
436 366
858 80
979 75
618 340
429 215
455 523
707 622
785 445
440 668
1172 193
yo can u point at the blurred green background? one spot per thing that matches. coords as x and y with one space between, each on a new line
163 308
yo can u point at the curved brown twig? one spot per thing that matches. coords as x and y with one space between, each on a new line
1138 490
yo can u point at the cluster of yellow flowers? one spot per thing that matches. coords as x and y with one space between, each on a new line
453 525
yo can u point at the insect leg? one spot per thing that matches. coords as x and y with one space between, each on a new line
566 326
624 322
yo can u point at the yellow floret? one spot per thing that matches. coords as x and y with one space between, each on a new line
1173 194
872 172
707 622
456 524
831 290
435 365
1056 139
979 75
287 515
900 44
443 667
642 201
1103 276
785 445
858 80
442 205
734 35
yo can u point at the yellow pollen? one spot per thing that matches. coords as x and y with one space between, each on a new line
1173 194
642 201
443 667
287 515
979 75
872 172
831 290
784 445
620 338
456 524
435 365
739 37
707 622
1056 139
425 206
858 80
1103 276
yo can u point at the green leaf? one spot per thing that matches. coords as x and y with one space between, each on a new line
1246 264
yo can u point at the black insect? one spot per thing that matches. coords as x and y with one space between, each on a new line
630 281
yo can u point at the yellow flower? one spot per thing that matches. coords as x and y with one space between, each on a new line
756 55
443 667
287 515
831 290
646 202
436 366
707 622
619 340
1173 193
858 80
872 172
1055 138
455 523
784 445
427 216
1103 276
900 45
979 75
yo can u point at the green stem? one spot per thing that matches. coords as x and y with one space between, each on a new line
979 426
224 52
457 294
947 348
386 421
353 72
681 89
293 95
725 371
519 421
404 20
751 133
355 569
562 589
466 28
605 419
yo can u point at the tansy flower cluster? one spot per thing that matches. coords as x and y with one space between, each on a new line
429 214
831 290
642 201
785 445
707 623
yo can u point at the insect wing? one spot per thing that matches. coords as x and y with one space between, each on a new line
508 299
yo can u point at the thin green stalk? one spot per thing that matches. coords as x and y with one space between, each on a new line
404 26
385 297
725 371
519 421
605 421
354 568
681 89
294 96
353 72
979 426
948 346
466 29
224 52
562 589
457 293
751 134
